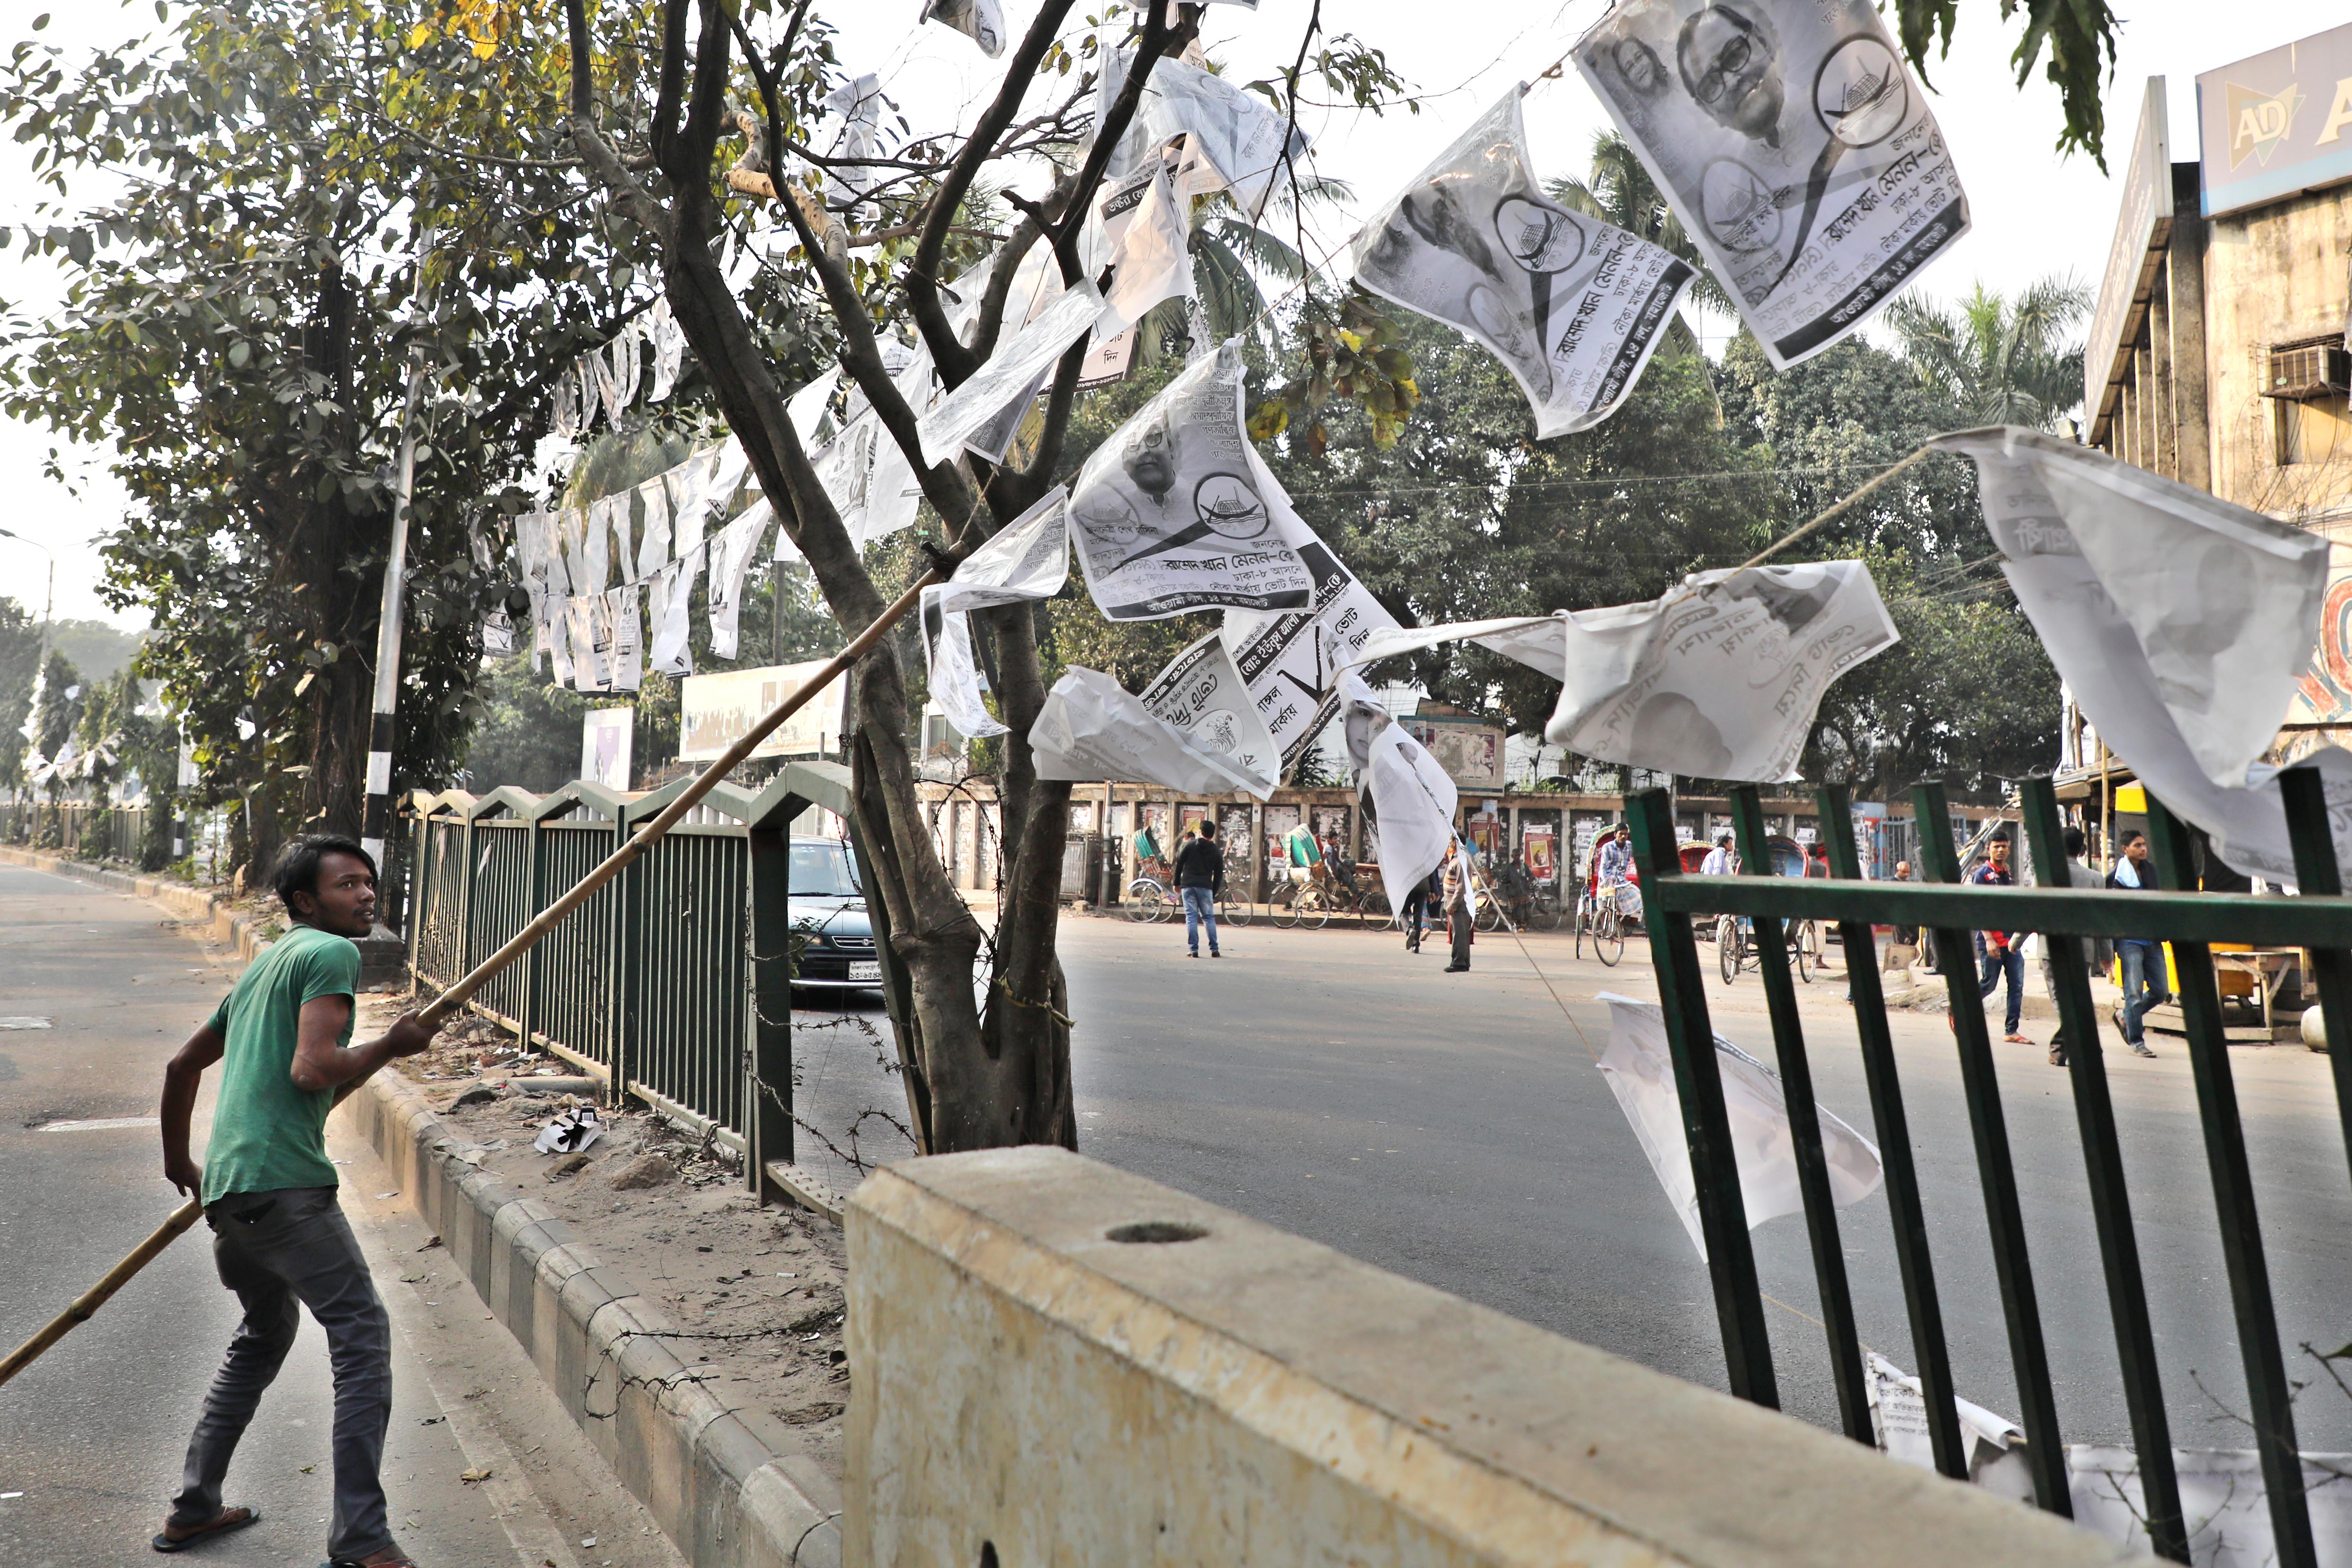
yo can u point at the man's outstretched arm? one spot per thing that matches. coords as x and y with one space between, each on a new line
319 1062
181 1076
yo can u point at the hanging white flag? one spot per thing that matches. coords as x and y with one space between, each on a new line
981 21
1571 306
859 104
1411 798
730 557
1137 229
674 594
1640 1067
1720 678
1250 144
1202 696
617 509
1794 147
625 660
1093 729
2180 622
1027 560
669 341
627 363
590 650
1013 369
1175 512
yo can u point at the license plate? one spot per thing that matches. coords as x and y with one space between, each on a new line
869 970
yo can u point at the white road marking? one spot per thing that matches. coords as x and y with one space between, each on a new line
25 1022
100 1124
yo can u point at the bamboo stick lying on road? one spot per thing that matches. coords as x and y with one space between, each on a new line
91 1299
455 998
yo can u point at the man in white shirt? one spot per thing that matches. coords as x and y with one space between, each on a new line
1720 861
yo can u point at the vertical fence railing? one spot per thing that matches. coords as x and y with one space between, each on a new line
2320 921
673 984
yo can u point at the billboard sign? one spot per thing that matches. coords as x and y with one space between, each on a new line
2276 124
1469 749
607 740
719 709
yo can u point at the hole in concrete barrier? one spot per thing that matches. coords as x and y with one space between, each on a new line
1155 1230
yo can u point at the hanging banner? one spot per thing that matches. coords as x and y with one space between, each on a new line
1290 658
626 659
1027 560
536 560
859 104
2181 624
592 642
1250 144
669 341
999 385
672 595
1720 678
1571 306
730 558
1412 802
1202 695
1139 230
981 21
1092 729
1175 512
1640 1067
1795 147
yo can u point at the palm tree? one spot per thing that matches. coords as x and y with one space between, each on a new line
1619 191
1998 361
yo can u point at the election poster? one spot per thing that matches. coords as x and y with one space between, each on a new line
1092 728
1201 695
1290 658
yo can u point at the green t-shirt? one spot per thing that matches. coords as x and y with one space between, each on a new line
1304 850
268 1134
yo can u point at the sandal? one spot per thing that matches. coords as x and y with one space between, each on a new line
230 1520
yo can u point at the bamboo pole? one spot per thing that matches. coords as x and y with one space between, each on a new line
91 1299
523 941
456 996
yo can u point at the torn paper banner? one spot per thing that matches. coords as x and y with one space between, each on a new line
1413 798
569 1132
1012 371
1795 147
1641 1071
1201 694
590 650
730 558
1898 1419
1721 677
1571 306
1175 512
1139 230
2180 622
625 661
1290 658
1250 144
1028 560
672 595
1091 729
859 104
981 21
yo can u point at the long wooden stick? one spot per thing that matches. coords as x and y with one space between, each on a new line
523 941
91 1299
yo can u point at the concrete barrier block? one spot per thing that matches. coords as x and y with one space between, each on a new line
1211 1390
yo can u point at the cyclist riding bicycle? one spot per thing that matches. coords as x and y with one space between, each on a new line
1613 867
1305 855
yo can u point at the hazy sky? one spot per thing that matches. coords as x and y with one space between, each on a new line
2033 213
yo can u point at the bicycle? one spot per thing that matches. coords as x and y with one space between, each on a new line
1731 945
1805 941
1598 914
1736 949
1148 902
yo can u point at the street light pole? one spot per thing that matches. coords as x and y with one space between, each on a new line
375 822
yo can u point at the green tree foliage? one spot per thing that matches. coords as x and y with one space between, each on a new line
320 198
20 657
2079 35
1998 361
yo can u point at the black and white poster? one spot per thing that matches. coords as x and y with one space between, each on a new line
624 662
1010 379
1572 306
1250 144
1028 560
1201 695
981 21
730 557
1091 728
1794 147
1175 512
1290 658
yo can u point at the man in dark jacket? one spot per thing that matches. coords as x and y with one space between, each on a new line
2144 978
1200 878
1998 950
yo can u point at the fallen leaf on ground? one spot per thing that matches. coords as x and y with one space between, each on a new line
308 1469
473 1477
429 1245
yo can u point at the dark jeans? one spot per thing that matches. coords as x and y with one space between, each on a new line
279 1252
2010 963
1461 924
1416 915
2144 985
1200 909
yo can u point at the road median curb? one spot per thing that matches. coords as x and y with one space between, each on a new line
231 927
730 1487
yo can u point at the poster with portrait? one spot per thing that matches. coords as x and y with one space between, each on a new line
1201 695
981 21
1720 677
1539 848
1572 306
1290 658
1176 512
1796 148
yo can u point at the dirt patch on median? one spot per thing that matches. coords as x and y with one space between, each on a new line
755 1294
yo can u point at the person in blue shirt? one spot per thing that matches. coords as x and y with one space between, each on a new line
2145 985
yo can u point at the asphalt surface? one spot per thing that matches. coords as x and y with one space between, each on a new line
1453 1128
92 1434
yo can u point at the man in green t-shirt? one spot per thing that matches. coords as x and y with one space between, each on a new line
283 1036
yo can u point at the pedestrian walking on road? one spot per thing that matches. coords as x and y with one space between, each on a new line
1200 879
1414 913
279 1240
2144 985
1460 908
2078 875
1998 950
1903 941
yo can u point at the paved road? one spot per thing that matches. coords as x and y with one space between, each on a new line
1452 1128
92 1435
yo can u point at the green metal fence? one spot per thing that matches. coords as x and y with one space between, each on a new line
81 829
2319 922
672 985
